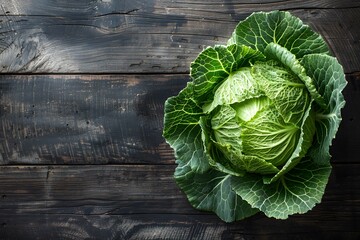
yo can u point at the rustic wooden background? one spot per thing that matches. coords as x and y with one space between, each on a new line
81 116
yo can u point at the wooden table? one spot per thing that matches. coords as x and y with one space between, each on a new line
81 117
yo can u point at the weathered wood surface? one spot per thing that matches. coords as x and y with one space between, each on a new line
85 119
99 119
170 226
143 202
148 36
81 114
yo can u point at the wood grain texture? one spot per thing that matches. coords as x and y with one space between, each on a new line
101 7
101 119
143 202
172 227
148 37
85 119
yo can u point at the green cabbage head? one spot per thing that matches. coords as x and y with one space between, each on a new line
252 130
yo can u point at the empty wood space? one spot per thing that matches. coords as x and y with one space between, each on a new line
82 95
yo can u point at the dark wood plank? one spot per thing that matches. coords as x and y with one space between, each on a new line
136 202
101 119
346 145
101 7
170 226
151 36
130 189
102 190
84 119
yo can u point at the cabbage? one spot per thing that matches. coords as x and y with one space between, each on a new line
251 132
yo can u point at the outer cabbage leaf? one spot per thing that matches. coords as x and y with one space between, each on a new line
225 128
260 29
238 87
212 191
287 92
215 64
296 192
329 78
182 130
289 60
215 156
305 140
